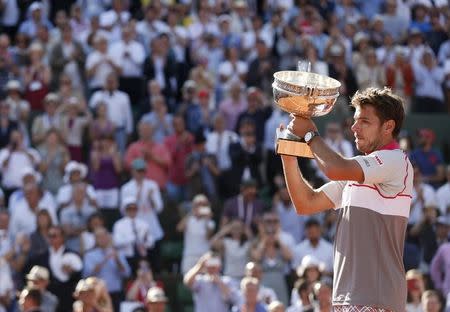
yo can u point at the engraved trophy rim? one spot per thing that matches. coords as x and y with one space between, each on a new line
306 83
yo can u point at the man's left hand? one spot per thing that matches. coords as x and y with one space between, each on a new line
300 126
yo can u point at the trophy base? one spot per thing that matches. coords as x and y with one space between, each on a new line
293 148
290 144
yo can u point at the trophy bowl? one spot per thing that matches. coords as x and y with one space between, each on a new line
303 94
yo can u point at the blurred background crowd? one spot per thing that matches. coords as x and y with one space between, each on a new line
137 158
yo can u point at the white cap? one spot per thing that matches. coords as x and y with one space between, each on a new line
129 200
30 171
308 262
35 6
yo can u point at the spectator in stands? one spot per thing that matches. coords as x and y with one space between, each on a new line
156 300
157 157
443 195
314 245
7 125
233 243
105 170
416 287
47 120
428 159
30 300
422 193
245 206
55 157
302 301
74 173
38 278
64 266
261 68
35 17
19 109
369 72
159 118
39 238
86 298
211 290
108 264
74 217
101 126
431 301
429 77
132 235
87 237
322 292
393 22
249 291
118 109
180 146
150 204
233 105
265 294
139 287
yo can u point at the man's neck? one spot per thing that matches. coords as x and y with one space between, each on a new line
314 242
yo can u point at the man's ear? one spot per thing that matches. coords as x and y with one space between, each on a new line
389 126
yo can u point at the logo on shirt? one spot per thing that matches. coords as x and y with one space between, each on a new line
366 162
378 160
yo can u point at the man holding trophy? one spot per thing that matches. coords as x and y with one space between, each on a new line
372 191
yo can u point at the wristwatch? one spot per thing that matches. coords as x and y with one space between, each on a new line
310 135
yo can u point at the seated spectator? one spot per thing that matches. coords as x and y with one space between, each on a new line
139 287
201 170
156 300
29 176
159 118
131 235
74 217
75 117
310 270
428 159
74 172
39 278
157 158
314 245
64 266
49 119
245 206
443 195
233 242
431 301
7 125
118 109
150 204
231 72
197 228
180 146
13 158
212 291
302 301
39 238
108 264
246 157
249 292
105 170
55 157
429 77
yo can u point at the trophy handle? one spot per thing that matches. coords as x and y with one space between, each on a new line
289 144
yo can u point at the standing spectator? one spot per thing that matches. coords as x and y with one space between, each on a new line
7 125
39 239
109 264
443 195
370 73
180 146
245 206
87 237
212 291
416 287
429 77
400 77
156 157
64 266
261 69
151 25
105 170
38 278
49 119
249 291
132 235
129 56
118 109
428 159
35 17
322 291
68 57
36 77
265 294
99 64
74 217
393 22
314 245
74 119
149 203
55 157
159 118
19 109
197 227
233 105
233 241
101 126
156 300
138 288
13 158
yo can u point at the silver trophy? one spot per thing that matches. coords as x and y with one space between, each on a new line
305 94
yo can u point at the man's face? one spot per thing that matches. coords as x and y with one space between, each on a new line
366 129
313 232
251 293
56 238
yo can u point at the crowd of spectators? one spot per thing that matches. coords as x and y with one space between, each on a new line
127 123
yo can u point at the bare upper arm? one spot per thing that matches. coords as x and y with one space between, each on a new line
348 169
318 202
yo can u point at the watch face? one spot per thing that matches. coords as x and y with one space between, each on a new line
308 136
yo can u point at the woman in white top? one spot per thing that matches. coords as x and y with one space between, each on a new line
197 227
233 240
